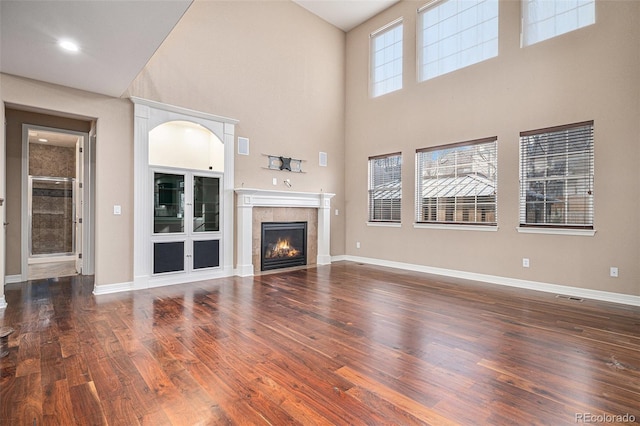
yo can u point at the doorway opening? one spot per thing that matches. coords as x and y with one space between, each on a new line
53 170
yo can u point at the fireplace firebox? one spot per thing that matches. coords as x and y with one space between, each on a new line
284 244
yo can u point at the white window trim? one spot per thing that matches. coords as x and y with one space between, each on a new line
523 4
369 205
546 227
385 224
456 225
483 228
372 36
419 43
553 231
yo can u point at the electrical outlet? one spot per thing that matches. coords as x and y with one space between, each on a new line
357 244
337 212
525 262
613 272
275 181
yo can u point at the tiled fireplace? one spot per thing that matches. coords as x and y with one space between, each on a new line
283 245
256 207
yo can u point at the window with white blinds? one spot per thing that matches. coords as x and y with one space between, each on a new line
545 19
386 59
385 188
454 34
457 183
556 176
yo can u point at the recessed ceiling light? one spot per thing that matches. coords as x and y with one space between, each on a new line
69 45
43 140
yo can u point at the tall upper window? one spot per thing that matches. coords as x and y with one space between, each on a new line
386 59
456 184
544 19
556 176
385 187
453 34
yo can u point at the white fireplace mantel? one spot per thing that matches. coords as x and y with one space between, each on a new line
247 199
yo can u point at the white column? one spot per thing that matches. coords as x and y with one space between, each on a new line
141 199
244 253
324 229
228 195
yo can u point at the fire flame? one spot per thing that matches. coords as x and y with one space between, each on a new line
282 248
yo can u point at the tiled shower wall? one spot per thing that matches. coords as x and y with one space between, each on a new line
51 160
52 202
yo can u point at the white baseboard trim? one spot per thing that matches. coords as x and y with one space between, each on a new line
339 258
244 270
112 288
147 282
12 279
625 299
3 303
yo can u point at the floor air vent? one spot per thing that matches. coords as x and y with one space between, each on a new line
572 298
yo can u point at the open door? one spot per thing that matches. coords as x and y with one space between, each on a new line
79 203
54 170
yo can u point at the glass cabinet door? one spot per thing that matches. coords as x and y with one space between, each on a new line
206 204
186 221
168 216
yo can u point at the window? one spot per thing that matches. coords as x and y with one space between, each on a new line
386 59
456 184
545 19
453 34
556 177
385 188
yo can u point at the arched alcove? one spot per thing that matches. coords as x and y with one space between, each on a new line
187 145
167 128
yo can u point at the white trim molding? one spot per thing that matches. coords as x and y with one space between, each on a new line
148 115
605 296
484 228
112 288
247 199
12 279
556 231
385 224
3 302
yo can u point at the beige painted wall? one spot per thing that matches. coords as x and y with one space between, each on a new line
15 119
277 69
272 65
114 167
590 74
280 71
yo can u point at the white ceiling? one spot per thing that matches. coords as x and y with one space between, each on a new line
346 14
116 38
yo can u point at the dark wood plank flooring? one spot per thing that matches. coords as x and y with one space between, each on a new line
340 344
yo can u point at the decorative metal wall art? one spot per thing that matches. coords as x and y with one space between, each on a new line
278 162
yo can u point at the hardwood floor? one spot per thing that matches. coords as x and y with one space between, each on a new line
339 344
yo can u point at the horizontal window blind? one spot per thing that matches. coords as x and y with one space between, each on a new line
385 188
556 176
457 183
